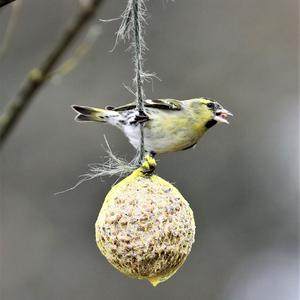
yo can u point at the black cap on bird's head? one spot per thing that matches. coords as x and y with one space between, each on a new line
220 114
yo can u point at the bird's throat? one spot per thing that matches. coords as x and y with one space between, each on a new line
210 123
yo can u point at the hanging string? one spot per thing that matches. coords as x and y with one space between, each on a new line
138 61
131 29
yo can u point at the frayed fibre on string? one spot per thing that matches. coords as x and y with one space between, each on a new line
131 30
138 59
113 166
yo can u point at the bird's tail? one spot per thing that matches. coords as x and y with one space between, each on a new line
86 113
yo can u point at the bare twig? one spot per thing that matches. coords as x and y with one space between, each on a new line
37 77
79 54
5 2
11 27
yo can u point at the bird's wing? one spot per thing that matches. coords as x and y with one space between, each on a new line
168 104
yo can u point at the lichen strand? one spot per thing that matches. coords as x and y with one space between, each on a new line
145 228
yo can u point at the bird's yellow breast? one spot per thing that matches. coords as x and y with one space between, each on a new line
173 131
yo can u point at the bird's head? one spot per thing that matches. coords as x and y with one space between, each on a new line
212 112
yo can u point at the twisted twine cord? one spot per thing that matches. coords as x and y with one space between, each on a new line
138 60
131 30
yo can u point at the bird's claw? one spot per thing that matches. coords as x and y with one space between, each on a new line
139 118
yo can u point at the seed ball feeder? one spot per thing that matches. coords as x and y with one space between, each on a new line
145 227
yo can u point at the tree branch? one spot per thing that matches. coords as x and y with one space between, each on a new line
11 27
38 76
5 2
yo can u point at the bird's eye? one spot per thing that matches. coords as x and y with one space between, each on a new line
210 105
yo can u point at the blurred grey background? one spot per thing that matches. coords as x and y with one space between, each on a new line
241 180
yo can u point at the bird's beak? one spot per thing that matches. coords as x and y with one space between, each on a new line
221 115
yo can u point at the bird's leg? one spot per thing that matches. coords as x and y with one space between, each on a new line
139 118
152 154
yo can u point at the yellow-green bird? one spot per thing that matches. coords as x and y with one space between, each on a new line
169 125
